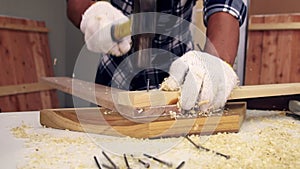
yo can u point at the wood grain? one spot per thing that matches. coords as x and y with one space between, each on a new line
25 57
274 26
295 53
23 88
145 99
254 52
267 90
273 53
18 27
106 122
269 53
94 93
110 97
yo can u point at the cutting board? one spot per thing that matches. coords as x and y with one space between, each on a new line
106 122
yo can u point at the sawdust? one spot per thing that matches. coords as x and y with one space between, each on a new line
275 145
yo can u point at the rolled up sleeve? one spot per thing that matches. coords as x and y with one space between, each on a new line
236 8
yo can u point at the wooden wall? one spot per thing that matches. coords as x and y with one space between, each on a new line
273 54
274 6
24 58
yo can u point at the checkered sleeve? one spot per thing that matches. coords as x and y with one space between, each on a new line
174 39
236 8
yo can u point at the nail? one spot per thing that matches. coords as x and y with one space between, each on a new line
159 160
206 149
97 162
126 161
146 165
110 161
180 165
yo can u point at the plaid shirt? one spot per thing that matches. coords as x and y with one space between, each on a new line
115 71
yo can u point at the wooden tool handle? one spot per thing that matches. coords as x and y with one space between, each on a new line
120 31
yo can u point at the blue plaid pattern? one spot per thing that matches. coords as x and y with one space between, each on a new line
235 7
108 72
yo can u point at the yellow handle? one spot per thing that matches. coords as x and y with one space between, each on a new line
120 31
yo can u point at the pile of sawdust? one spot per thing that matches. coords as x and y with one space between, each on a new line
275 145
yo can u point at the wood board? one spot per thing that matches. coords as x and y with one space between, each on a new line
108 97
106 122
23 88
25 57
273 54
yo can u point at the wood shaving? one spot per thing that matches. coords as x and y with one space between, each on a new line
263 142
169 84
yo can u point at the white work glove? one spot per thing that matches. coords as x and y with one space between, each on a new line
96 25
205 81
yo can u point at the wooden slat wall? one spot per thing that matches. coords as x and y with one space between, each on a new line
273 55
295 45
25 57
253 59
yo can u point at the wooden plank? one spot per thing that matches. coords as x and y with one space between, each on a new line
49 95
144 99
274 26
267 90
106 96
269 55
25 66
99 121
23 88
41 53
254 52
15 61
17 27
94 93
295 53
283 53
6 103
241 92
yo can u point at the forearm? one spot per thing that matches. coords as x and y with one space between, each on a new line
75 10
222 36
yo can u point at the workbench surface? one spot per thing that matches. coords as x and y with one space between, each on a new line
24 143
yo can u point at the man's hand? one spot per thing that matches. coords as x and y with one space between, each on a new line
205 81
96 25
